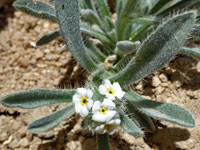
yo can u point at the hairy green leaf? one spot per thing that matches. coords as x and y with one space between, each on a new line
86 29
157 49
37 98
142 120
103 8
129 126
94 51
194 52
123 17
69 16
161 111
49 122
196 30
90 16
50 36
159 5
38 9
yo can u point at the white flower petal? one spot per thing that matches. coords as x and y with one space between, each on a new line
111 121
89 93
110 114
96 106
81 91
108 104
99 129
116 87
77 107
107 82
99 117
84 111
102 90
110 96
75 98
120 94
89 104
118 91
112 132
117 121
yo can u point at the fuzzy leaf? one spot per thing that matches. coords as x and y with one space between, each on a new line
37 98
50 36
86 29
159 5
123 17
38 9
194 52
88 4
49 122
129 126
196 30
94 51
157 49
180 4
161 111
68 16
142 120
90 16
103 8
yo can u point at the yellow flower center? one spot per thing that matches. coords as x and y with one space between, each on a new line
108 127
110 91
84 100
103 110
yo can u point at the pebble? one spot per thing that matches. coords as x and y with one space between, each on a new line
8 141
38 54
71 145
14 144
24 142
163 77
3 136
155 81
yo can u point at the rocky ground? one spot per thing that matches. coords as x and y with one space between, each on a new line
24 66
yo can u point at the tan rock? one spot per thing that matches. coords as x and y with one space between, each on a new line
155 81
24 142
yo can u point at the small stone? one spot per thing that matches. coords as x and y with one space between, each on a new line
38 54
8 141
16 125
24 142
71 145
155 81
3 136
159 90
139 86
163 77
14 144
22 131
47 50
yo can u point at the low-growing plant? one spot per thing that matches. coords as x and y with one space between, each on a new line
107 101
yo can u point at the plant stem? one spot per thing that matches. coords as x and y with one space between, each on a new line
103 142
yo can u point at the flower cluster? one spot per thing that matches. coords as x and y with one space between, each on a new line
103 114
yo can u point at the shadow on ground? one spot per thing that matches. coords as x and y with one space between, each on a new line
6 12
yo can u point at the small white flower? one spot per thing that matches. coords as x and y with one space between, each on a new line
103 112
83 101
109 127
111 90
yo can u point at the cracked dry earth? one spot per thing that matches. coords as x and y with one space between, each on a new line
24 66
